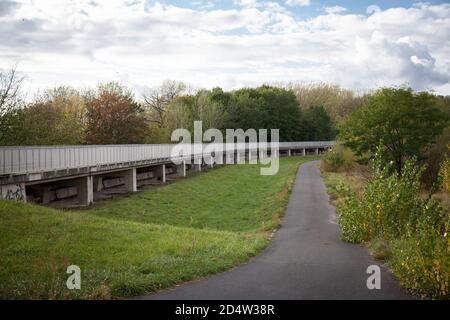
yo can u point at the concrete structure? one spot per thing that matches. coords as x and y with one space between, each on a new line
48 174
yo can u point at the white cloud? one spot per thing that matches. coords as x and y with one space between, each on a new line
373 8
421 4
335 9
301 3
381 60
84 42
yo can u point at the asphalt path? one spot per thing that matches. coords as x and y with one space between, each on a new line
305 259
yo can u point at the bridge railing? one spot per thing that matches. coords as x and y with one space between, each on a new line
29 159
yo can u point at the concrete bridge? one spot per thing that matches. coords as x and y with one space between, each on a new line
50 174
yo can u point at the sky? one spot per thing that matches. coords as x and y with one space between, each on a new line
359 45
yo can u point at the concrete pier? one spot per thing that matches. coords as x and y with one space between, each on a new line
85 190
47 174
160 173
181 169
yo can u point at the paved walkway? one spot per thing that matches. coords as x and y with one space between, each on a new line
305 259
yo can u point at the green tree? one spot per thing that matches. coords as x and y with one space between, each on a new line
114 117
404 122
316 125
56 116
265 107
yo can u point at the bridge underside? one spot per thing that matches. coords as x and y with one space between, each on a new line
82 186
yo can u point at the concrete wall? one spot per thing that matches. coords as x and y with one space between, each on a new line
13 192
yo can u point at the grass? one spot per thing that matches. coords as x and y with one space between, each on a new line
235 198
335 180
143 242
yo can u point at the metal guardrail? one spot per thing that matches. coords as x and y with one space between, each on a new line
29 159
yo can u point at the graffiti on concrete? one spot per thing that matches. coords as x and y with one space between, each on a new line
13 192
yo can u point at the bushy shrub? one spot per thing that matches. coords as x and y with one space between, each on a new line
416 229
338 159
390 206
352 218
421 261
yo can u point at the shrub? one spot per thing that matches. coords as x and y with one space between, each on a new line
390 206
434 156
422 262
416 229
444 174
352 218
338 159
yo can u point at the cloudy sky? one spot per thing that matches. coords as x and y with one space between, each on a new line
229 43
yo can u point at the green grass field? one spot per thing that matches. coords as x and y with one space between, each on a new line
143 242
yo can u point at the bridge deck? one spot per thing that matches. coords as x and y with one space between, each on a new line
49 173
34 159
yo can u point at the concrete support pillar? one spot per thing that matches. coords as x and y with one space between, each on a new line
181 169
289 153
209 161
304 152
85 190
160 173
317 150
240 157
46 194
252 157
99 185
230 158
275 153
130 180
225 158
197 165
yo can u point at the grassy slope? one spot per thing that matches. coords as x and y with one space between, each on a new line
143 242
235 198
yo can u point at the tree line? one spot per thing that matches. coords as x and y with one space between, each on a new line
407 122
111 114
